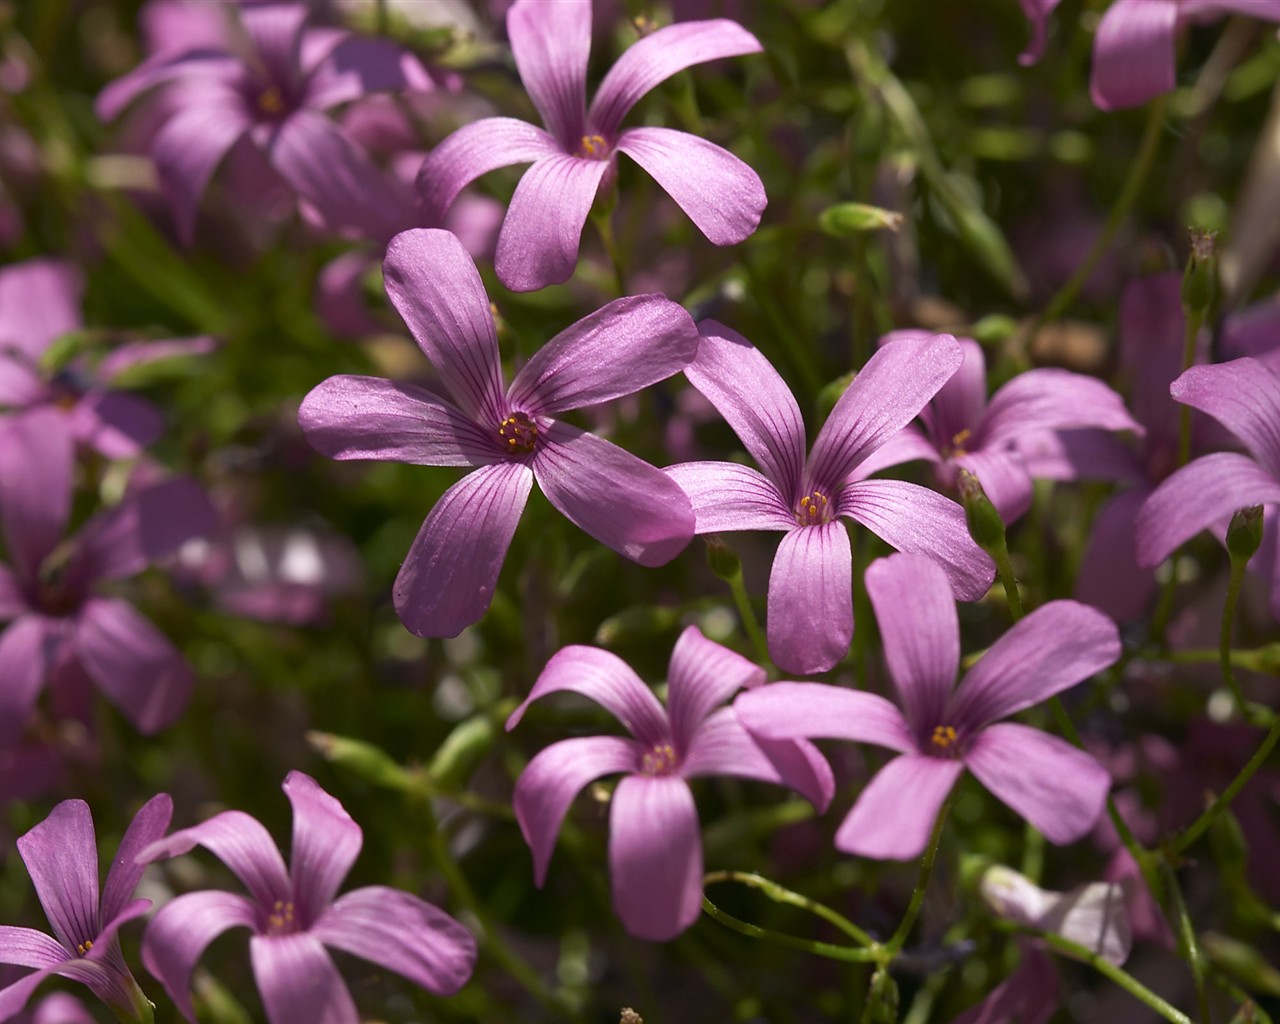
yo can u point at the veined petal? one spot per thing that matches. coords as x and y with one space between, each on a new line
14 997
657 57
352 417
29 647
1110 578
434 285
551 44
475 149
810 619
1051 399
61 854
1004 478
242 844
1134 53
818 711
198 63
703 675
1083 455
896 811
747 391
449 576
556 775
275 32
36 463
39 301
907 445
721 194
298 981
1028 996
609 681
886 395
1037 12
356 66
116 424
655 856
326 842
180 933
26 947
726 496
402 933
617 350
961 402
149 824
1059 788
1203 492
921 634
1244 396
620 500
915 519
538 243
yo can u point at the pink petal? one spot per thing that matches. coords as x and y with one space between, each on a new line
1051 399
703 675
349 417
657 57
907 445
655 856
39 301
961 402
116 424
475 149
1004 478
915 519
1084 455
12 600
920 632
721 194
817 711
886 395
26 947
143 353
538 244
726 496
1028 996
36 464
29 647
326 842
298 981
180 933
606 679
359 65
747 391
450 574
275 33
1058 645
200 64
1152 329
402 933
556 775
20 383
61 855
1244 396
618 499
149 824
1110 578
434 285
1059 788
551 44
1203 492
618 350
894 815
1037 12
810 619
1134 53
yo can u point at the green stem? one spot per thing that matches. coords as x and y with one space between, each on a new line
1129 193
1195 320
922 883
748 615
1122 978
603 220
1238 566
1188 947
1004 566
779 894
833 952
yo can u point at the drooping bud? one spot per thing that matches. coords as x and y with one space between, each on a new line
882 999
723 559
461 751
984 522
1200 278
361 759
1244 535
845 219
639 622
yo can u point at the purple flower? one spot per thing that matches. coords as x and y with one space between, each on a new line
271 85
941 731
61 854
1028 996
293 915
655 852
1244 396
509 436
810 619
62 629
538 245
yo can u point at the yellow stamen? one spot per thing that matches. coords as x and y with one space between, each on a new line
658 761
519 431
957 442
594 147
84 947
943 736
814 508
270 101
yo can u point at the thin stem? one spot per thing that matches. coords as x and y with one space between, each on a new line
1004 566
833 952
779 894
1195 320
748 615
603 220
1122 978
1129 193
922 883
1187 944
1238 566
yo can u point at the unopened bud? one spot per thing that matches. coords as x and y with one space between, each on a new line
723 559
1242 962
1244 535
361 759
639 622
461 751
846 219
882 999
1200 278
984 522
1230 849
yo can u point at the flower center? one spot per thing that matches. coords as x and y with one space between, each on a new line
83 947
944 737
519 433
593 147
814 508
270 101
957 442
53 592
659 760
281 919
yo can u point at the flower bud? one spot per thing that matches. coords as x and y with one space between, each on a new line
984 522
882 999
1200 278
461 751
361 759
723 559
1244 535
639 622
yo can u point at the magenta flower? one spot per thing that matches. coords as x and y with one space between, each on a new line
655 851
270 88
508 436
810 619
293 915
1244 396
62 628
61 854
962 430
941 731
551 42
1028 996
